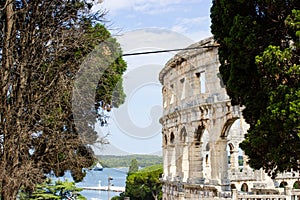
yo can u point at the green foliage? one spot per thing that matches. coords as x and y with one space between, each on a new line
280 150
145 184
134 166
259 56
58 190
48 110
112 161
296 185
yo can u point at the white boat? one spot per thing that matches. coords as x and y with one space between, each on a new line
98 167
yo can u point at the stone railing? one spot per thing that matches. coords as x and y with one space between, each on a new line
289 194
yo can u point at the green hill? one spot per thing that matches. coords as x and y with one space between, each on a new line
113 161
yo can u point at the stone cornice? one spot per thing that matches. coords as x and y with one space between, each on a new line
185 55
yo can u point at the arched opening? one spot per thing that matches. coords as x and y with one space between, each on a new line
183 134
244 187
230 154
296 185
235 130
283 184
207 148
172 138
166 140
227 127
198 134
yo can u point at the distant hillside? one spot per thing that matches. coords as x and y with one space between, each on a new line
112 161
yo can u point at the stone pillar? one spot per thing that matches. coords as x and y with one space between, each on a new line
219 165
196 163
180 196
172 161
185 163
234 160
165 162
179 158
287 192
245 163
234 194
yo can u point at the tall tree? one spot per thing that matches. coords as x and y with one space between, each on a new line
134 166
245 30
43 125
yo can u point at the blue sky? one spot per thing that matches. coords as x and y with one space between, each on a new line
148 25
189 17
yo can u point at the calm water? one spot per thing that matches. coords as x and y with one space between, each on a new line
94 178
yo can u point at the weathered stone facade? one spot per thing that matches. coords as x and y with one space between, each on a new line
201 129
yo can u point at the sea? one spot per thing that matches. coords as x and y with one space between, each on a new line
100 178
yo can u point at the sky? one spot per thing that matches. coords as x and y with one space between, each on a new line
139 26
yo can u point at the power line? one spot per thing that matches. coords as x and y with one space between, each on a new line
169 50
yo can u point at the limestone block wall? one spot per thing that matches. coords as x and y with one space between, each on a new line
197 113
201 129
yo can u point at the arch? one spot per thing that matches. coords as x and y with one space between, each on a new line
231 147
230 151
198 133
172 138
166 139
296 185
206 159
183 134
227 126
283 184
207 148
244 187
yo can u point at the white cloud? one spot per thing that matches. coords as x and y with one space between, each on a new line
193 27
145 6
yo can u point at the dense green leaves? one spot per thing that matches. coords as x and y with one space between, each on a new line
134 166
49 190
145 184
259 55
275 137
44 45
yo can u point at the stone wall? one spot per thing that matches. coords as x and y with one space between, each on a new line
201 129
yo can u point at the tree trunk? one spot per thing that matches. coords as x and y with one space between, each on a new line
154 195
9 190
9 185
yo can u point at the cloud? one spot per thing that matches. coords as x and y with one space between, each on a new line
144 6
192 26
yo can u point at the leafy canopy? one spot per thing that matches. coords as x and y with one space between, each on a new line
259 56
54 190
145 184
45 125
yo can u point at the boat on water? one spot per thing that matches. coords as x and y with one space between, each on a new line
98 167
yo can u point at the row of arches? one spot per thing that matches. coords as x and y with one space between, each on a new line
245 187
296 184
196 153
170 138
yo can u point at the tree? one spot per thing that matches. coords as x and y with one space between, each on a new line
45 126
145 184
134 166
259 68
58 190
